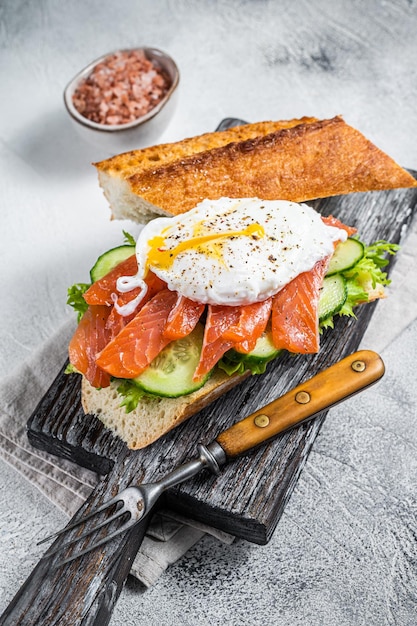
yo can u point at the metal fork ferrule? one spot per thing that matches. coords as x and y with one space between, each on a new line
212 456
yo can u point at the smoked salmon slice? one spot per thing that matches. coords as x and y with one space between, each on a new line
101 291
227 327
90 337
183 318
333 221
211 353
116 321
253 319
141 340
295 323
219 319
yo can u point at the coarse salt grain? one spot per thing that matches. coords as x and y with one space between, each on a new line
120 89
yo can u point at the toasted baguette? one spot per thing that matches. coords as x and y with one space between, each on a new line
114 174
300 160
154 416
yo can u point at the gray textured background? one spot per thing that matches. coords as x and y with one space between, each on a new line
345 550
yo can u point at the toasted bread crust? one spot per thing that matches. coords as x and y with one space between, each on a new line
115 174
303 162
137 161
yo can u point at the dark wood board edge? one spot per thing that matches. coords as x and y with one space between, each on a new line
45 432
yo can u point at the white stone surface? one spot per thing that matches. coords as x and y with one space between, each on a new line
345 550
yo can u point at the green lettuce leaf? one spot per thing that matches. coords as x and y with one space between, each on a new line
70 369
231 367
129 239
75 298
365 276
131 395
236 363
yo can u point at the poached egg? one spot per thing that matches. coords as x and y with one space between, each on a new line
231 251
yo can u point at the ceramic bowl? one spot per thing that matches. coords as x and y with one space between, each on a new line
141 132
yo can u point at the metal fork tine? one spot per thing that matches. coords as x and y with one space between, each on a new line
86 533
96 544
101 508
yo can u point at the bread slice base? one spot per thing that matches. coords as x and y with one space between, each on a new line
154 416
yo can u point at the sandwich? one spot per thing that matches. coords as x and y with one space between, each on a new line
231 268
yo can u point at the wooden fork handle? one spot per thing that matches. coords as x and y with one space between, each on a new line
345 378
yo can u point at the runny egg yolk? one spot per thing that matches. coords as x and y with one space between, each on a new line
162 258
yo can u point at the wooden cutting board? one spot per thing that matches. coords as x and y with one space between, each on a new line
248 498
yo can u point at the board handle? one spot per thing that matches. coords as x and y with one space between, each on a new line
338 382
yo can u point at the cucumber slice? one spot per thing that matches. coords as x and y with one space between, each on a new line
332 296
108 261
170 375
263 350
255 361
346 255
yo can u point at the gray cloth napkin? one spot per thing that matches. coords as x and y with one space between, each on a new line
67 485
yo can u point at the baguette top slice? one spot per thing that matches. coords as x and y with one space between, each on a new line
299 160
114 172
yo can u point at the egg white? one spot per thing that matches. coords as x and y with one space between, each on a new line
235 269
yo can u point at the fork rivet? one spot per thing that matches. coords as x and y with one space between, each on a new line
140 505
261 420
302 397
